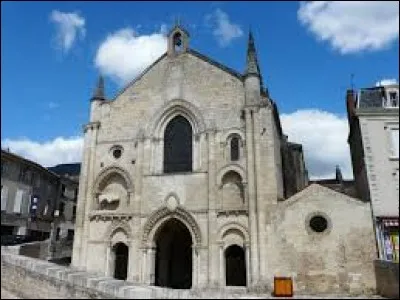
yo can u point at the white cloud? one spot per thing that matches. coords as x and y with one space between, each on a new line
352 26
322 134
224 30
384 82
69 26
324 139
49 153
123 55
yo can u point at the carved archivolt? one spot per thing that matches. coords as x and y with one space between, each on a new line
108 172
234 226
169 111
164 214
118 225
231 167
231 133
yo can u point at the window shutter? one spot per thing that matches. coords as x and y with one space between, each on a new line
4 197
18 201
25 206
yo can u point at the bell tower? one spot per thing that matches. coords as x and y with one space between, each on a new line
178 40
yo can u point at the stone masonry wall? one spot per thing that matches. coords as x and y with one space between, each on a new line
31 278
387 278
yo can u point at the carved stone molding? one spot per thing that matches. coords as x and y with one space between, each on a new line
91 126
110 170
178 213
234 212
109 216
118 224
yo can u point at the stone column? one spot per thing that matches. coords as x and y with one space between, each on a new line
247 263
203 152
212 215
89 192
107 247
151 265
202 269
222 280
78 246
132 262
158 154
146 156
251 197
143 270
261 197
136 218
195 264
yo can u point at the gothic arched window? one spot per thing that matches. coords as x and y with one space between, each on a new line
178 146
235 148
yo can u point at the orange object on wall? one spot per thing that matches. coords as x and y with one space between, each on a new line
283 287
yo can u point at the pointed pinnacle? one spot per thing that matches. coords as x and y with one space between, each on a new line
252 62
99 91
251 46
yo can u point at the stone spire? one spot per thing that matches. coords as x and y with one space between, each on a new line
252 67
99 91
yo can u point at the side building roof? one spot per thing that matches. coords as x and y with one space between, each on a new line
15 157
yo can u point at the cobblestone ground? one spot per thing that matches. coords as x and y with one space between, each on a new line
7 295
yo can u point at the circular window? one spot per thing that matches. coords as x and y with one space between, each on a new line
318 223
117 153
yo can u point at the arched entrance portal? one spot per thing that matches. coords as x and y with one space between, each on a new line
121 252
173 256
235 266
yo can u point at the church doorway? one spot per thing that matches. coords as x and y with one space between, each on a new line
173 267
121 252
235 266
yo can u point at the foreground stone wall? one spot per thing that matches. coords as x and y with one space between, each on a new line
387 278
31 278
37 249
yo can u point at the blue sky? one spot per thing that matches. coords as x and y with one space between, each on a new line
51 58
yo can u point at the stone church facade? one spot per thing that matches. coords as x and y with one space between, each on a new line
187 181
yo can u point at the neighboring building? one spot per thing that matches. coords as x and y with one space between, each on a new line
339 184
373 116
295 175
67 170
28 197
187 181
64 222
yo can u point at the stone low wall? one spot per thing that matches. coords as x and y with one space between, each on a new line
31 278
387 278
37 249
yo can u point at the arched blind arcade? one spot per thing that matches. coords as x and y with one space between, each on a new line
178 146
